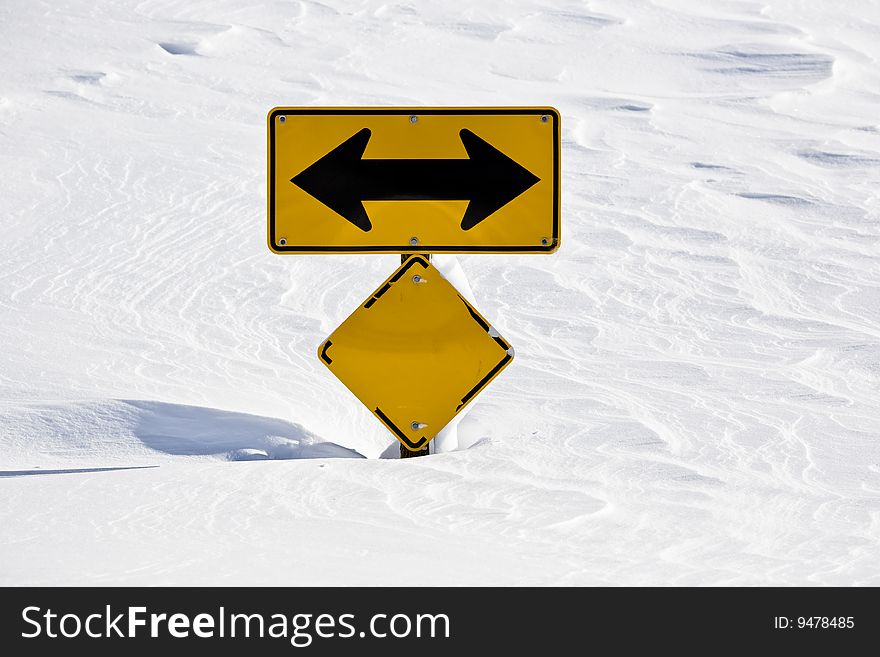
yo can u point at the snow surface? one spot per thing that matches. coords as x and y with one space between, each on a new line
696 393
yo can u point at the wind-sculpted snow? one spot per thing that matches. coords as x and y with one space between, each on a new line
696 393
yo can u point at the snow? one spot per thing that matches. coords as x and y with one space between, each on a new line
696 394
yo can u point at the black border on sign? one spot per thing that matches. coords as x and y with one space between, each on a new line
421 248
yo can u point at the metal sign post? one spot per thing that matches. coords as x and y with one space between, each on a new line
406 452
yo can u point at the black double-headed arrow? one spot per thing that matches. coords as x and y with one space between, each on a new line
342 179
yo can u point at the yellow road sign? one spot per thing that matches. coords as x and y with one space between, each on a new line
413 180
415 352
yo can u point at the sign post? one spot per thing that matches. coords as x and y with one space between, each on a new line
414 181
406 452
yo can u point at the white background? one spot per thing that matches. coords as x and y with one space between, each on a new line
696 393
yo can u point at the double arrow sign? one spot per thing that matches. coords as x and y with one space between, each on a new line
470 180
343 179
414 181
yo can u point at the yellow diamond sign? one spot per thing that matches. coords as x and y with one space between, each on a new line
415 352
413 180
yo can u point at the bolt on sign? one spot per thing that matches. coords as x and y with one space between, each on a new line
413 180
415 321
